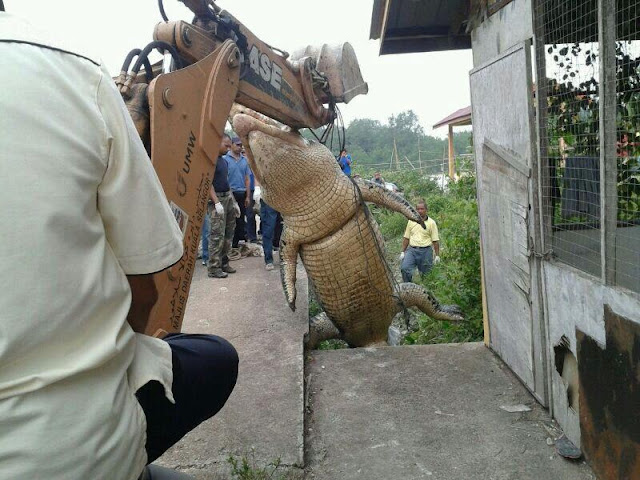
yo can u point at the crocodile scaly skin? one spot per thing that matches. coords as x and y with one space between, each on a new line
327 224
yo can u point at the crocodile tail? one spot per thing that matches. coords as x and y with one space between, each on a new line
412 295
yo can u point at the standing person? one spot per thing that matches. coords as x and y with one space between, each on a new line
278 232
206 228
268 219
240 185
345 162
419 244
250 230
82 396
221 210
206 224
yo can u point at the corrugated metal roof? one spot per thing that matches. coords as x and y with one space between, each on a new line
405 26
459 117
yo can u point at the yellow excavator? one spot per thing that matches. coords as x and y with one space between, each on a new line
180 106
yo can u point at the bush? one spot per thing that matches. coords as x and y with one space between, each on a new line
457 278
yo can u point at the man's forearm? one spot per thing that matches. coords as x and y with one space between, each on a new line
212 194
405 243
436 248
144 296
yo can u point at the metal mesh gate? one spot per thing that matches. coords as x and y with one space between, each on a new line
627 233
572 135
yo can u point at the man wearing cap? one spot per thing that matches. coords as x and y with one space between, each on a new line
239 183
222 211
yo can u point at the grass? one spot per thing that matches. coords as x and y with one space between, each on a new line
247 468
457 278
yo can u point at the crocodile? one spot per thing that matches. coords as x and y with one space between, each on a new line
327 222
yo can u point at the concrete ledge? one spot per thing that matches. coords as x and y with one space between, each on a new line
430 411
265 412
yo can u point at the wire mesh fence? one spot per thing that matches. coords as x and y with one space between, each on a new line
570 134
464 163
627 193
572 140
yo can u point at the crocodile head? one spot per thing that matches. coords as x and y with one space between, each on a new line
289 167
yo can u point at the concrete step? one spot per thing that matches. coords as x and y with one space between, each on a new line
425 412
263 418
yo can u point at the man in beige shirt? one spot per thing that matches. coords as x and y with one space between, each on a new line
419 244
84 221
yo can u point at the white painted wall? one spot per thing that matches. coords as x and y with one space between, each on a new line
502 30
575 300
572 299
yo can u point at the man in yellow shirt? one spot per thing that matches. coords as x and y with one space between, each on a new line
419 244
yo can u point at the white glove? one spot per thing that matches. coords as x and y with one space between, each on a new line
402 256
436 260
219 208
236 209
256 194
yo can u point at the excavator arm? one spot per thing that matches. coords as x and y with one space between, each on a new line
180 109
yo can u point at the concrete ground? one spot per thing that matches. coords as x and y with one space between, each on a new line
263 418
391 413
429 412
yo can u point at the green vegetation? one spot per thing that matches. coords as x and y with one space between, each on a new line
370 143
573 116
246 469
457 278
314 306
333 345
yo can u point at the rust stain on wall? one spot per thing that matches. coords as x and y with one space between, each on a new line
610 399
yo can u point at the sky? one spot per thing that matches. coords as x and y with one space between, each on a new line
433 85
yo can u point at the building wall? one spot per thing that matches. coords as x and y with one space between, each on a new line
491 38
591 331
575 302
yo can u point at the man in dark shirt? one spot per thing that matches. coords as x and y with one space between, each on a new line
222 211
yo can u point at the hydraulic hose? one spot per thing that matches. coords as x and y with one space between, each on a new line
127 63
160 45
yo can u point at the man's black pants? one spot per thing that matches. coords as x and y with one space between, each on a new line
205 369
240 223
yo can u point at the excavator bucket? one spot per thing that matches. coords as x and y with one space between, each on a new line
340 66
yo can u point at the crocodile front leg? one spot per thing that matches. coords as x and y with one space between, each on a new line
374 193
288 261
413 295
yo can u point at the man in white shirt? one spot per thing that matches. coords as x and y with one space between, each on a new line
83 222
